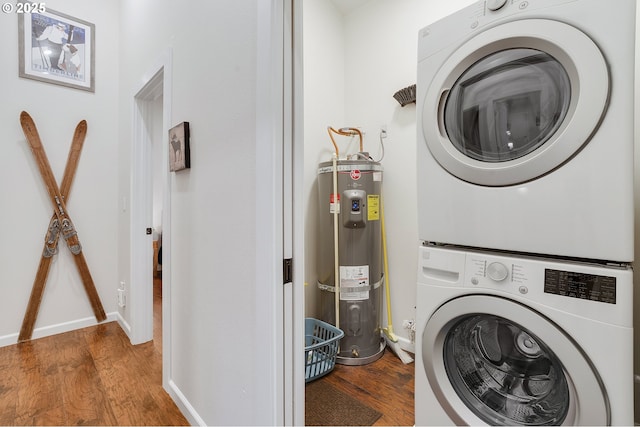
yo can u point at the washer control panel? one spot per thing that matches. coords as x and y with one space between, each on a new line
494 5
497 271
593 287
490 272
514 275
604 291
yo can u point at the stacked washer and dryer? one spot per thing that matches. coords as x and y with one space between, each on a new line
525 180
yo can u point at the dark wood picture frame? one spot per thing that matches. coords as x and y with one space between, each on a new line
179 150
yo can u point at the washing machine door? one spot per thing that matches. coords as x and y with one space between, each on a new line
490 360
515 102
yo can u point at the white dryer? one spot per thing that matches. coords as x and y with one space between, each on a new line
525 128
505 340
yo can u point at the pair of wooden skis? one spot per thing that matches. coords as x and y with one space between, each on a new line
60 224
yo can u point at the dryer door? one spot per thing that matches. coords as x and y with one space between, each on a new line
515 102
490 360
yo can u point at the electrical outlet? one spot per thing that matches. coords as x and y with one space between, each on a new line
410 325
122 298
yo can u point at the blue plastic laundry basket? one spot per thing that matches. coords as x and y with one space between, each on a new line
321 347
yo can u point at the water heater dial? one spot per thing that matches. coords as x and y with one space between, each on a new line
497 271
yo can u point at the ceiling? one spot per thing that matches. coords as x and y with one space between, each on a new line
347 6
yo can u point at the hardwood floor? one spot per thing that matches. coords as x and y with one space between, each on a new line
92 376
385 385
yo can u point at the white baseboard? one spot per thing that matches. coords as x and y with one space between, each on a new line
124 325
59 328
183 404
407 345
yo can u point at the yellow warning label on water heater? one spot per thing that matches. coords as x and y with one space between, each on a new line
373 207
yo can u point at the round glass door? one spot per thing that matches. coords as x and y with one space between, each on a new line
515 102
507 105
504 373
491 360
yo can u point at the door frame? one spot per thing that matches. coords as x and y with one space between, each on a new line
295 157
157 81
279 234
294 182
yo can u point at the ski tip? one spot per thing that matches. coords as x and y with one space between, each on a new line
25 118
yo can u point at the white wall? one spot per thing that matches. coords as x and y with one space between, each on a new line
219 344
324 105
374 47
92 205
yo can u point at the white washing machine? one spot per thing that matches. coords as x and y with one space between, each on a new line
505 340
525 128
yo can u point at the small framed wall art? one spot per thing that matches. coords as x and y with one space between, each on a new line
179 152
56 48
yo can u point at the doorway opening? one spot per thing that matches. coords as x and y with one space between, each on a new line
360 36
150 209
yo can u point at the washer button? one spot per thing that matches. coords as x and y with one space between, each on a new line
497 271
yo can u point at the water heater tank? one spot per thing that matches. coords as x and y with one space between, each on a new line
360 261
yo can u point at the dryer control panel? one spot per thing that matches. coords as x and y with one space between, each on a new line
475 17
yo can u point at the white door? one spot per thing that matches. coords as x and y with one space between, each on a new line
515 102
490 360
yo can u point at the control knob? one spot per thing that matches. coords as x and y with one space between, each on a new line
497 271
494 5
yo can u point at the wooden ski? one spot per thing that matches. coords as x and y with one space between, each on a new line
51 239
66 227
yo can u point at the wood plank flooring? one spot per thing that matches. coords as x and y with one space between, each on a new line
385 385
92 376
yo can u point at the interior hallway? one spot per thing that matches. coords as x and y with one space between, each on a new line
91 376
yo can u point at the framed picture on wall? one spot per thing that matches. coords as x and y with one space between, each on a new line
179 152
55 48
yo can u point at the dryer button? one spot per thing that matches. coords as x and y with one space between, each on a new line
495 4
497 271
